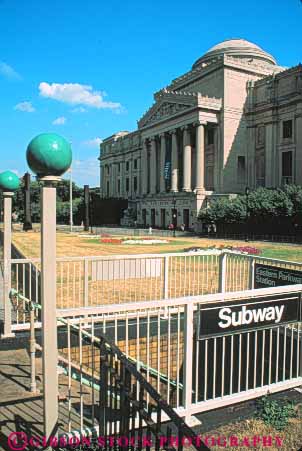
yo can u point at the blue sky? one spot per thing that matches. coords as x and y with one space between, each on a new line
88 69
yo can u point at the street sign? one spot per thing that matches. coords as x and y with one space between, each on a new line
273 276
216 319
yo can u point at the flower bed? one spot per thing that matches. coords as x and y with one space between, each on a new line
127 240
111 240
247 250
145 241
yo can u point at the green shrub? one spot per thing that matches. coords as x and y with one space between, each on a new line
275 413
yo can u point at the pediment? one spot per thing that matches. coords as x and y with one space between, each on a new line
163 111
168 104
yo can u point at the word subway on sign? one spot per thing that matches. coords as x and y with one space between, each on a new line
248 314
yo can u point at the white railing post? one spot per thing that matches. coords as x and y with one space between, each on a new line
7 243
49 321
188 358
32 346
222 273
86 287
49 156
251 273
166 277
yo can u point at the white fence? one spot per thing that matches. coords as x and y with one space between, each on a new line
193 374
149 305
95 281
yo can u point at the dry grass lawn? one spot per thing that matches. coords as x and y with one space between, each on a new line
291 436
80 244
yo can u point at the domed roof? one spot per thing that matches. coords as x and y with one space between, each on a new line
238 48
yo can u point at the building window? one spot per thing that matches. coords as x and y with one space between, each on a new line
135 164
287 129
127 184
107 189
119 186
119 167
135 184
287 168
210 136
127 166
241 169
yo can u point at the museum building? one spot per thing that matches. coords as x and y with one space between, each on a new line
233 121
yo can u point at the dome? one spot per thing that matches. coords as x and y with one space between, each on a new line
238 48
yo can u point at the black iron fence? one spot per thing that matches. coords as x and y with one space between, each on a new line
132 411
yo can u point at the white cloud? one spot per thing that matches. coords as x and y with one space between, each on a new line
26 107
86 171
9 72
76 94
79 109
59 121
95 142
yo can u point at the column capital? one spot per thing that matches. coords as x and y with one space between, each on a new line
173 132
198 123
185 127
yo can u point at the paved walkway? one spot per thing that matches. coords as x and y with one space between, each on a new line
21 410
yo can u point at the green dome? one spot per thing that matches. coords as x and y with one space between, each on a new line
49 154
9 181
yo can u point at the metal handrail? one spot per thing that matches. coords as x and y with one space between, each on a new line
133 402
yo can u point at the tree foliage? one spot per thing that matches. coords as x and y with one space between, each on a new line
261 206
63 202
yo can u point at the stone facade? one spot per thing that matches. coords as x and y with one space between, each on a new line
234 120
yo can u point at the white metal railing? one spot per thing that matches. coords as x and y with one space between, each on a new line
239 269
93 281
192 374
162 338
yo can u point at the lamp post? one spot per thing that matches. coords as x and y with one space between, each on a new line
174 216
247 192
70 200
27 225
9 183
86 208
49 156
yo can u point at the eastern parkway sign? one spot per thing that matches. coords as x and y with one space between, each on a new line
272 276
249 313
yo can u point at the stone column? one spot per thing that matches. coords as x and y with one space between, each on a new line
162 181
113 179
199 179
153 166
187 152
144 167
269 161
251 147
174 163
298 153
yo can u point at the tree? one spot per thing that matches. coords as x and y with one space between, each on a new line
63 199
264 210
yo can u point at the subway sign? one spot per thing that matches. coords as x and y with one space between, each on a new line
249 314
273 276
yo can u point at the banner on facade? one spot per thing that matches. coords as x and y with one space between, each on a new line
274 276
248 314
